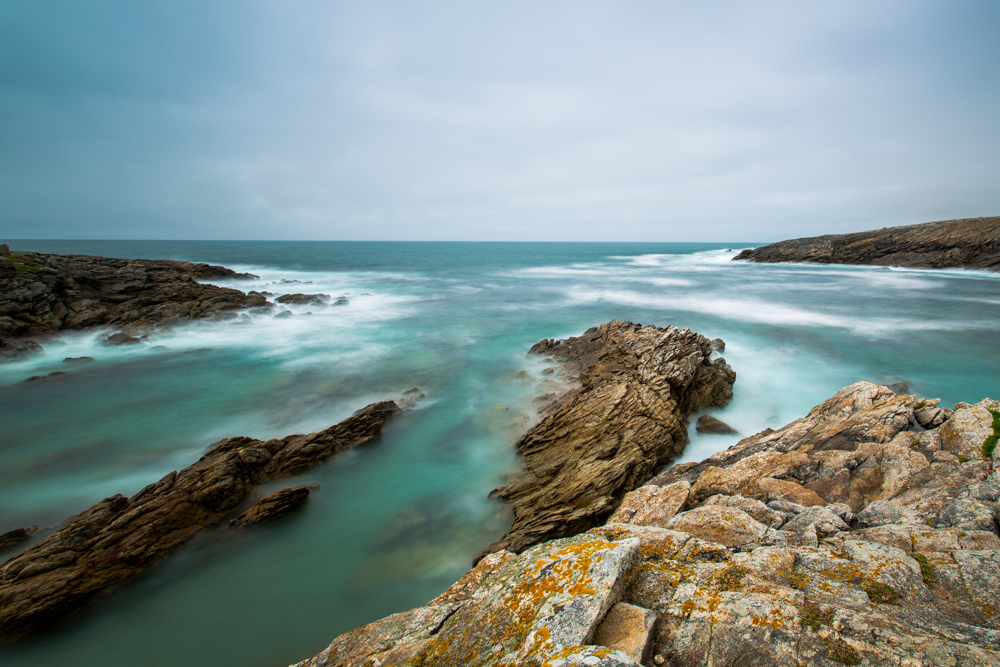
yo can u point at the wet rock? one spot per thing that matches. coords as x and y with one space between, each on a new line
973 243
303 299
120 338
718 345
712 425
275 505
609 435
12 538
341 301
13 350
113 541
410 398
36 378
283 314
901 387
78 360
79 291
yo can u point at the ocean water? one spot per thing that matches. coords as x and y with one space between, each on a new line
395 523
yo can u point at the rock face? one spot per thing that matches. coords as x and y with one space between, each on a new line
625 420
42 293
972 243
114 540
898 564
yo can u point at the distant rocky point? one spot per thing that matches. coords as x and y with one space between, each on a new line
971 243
42 293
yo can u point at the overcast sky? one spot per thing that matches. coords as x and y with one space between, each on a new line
642 121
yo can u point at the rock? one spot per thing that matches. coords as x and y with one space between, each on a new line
13 350
4 249
824 521
56 292
113 541
78 360
410 398
341 301
303 299
651 505
626 628
610 434
727 526
712 425
882 512
972 243
121 339
718 345
275 505
283 314
787 490
968 514
36 378
932 417
901 387
754 508
12 538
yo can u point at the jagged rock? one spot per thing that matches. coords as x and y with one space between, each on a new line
303 299
754 508
896 584
712 425
114 540
120 338
41 293
718 345
932 417
12 538
637 386
12 350
973 243
275 505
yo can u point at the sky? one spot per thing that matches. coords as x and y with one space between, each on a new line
489 121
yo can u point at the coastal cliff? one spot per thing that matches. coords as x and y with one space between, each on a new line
971 243
863 533
42 293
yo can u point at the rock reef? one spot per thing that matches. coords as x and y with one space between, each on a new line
850 536
42 293
625 419
113 541
971 243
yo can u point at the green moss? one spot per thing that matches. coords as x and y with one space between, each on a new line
731 577
927 571
840 651
962 459
991 441
815 617
880 593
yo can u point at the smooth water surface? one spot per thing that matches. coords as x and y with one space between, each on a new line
395 523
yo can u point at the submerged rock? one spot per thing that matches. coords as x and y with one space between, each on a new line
121 338
12 538
12 350
972 243
113 541
911 579
303 299
637 386
275 505
714 426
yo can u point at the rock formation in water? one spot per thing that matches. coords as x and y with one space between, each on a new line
42 293
625 420
972 243
117 538
850 536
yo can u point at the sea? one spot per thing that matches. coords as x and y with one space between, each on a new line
393 524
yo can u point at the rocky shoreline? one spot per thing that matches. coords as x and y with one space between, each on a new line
43 293
115 540
970 243
863 533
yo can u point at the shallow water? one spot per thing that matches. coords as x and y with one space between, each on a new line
395 523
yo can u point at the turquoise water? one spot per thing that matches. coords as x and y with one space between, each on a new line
395 523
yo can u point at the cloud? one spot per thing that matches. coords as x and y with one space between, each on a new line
445 120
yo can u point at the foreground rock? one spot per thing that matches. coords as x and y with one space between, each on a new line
43 293
625 420
972 243
114 540
896 564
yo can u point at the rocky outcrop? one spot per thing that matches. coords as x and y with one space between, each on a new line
896 563
972 243
114 540
42 293
623 421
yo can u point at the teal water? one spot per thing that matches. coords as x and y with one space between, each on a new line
395 523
